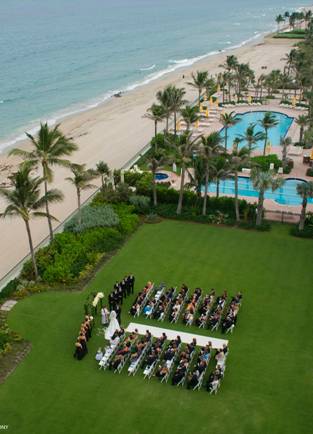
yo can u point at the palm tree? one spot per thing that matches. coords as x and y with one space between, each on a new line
190 115
251 137
263 180
284 143
176 102
269 121
184 147
279 19
81 180
164 98
238 158
221 170
302 121
156 113
156 160
199 82
103 170
210 147
24 200
305 190
228 120
49 148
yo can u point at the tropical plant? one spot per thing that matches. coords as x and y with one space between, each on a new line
251 137
156 159
25 201
269 121
302 121
238 158
210 147
49 148
263 181
305 190
164 98
228 120
184 147
176 102
279 19
103 170
156 113
221 170
190 115
284 143
200 79
81 181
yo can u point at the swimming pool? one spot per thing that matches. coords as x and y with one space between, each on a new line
160 176
274 134
286 195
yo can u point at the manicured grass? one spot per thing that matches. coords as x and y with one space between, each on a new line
269 378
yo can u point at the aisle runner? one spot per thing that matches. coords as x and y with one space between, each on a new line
171 334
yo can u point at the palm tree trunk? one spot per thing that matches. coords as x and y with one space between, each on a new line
166 126
217 187
303 214
259 216
206 187
199 98
79 206
175 129
154 189
181 190
155 128
236 198
48 213
226 134
31 247
301 134
265 141
102 181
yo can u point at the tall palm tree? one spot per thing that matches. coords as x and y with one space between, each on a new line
305 190
81 180
25 200
156 113
284 143
103 170
50 146
264 180
164 98
302 121
279 19
190 115
238 158
251 137
228 120
183 147
221 170
210 147
156 159
176 102
269 121
199 82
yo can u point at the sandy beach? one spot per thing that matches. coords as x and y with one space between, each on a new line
114 132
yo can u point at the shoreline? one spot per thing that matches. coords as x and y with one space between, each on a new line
62 115
114 132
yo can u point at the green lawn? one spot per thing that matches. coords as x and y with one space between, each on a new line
268 384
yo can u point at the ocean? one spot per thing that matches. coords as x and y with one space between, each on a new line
63 56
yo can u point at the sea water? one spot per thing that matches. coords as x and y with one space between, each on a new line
63 56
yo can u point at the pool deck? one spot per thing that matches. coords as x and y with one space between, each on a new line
299 170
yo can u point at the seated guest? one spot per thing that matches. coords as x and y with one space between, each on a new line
99 355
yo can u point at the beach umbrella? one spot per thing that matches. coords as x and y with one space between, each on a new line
294 101
207 112
197 124
249 99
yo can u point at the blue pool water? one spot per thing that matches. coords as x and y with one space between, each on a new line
161 176
286 195
274 134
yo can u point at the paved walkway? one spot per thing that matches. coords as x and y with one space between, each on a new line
172 334
8 305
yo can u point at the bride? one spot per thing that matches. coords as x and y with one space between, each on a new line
113 326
